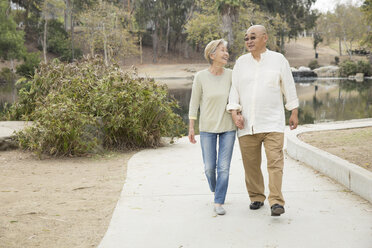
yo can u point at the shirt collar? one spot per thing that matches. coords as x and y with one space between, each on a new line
263 55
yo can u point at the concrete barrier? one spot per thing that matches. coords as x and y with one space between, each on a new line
354 177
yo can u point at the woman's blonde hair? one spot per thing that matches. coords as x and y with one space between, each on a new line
211 49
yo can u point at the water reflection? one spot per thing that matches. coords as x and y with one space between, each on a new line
8 94
320 100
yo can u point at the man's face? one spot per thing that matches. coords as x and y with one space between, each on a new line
255 40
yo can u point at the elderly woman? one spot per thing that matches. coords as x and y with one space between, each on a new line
210 92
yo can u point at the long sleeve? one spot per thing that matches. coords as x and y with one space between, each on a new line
195 99
288 86
234 99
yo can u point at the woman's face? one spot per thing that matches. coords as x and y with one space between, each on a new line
221 55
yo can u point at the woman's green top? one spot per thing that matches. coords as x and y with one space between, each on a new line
211 94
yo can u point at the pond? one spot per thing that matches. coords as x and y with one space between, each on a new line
321 100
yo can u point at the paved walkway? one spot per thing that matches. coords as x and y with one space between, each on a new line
166 202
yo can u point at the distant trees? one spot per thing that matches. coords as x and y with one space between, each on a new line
11 39
107 29
367 17
346 24
295 14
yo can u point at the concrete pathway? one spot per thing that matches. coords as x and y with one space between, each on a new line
165 202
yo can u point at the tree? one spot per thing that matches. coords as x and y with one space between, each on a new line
50 10
346 24
164 20
11 39
296 13
229 11
367 16
107 29
316 40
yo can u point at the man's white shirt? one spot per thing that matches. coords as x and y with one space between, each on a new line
257 91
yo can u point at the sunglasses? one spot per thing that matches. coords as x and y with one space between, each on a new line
249 38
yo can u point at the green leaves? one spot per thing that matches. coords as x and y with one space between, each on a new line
85 106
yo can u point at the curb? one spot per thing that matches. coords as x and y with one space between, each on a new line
352 176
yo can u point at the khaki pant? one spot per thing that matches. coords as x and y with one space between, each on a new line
250 147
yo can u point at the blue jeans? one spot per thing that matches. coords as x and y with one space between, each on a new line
221 163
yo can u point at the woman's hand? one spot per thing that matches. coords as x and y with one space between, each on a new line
191 132
192 136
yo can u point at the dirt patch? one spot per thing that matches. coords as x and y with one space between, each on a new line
353 145
58 202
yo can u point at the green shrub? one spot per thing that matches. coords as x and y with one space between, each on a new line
80 107
7 76
313 64
30 63
348 68
364 67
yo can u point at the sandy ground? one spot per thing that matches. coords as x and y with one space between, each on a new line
353 145
58 202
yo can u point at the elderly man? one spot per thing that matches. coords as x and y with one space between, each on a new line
259 80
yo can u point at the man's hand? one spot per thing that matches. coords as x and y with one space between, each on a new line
293 120
238 119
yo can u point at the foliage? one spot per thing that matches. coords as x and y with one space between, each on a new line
364 67
30 63
367 17
349 67
313 64
345 24
80 107
58 41
107 31
11 39
7 76
203 27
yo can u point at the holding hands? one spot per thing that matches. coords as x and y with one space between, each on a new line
238 119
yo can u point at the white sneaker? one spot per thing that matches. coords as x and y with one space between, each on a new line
219 210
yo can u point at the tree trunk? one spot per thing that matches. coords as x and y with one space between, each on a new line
186 50
229 15
66 13
282 43
339 46
167 37
140 40
155 42
45 40
72 30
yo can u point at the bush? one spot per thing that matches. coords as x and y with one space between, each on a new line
313 64
30 63
80 107
364 67
348 68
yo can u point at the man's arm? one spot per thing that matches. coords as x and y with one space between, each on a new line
289 91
